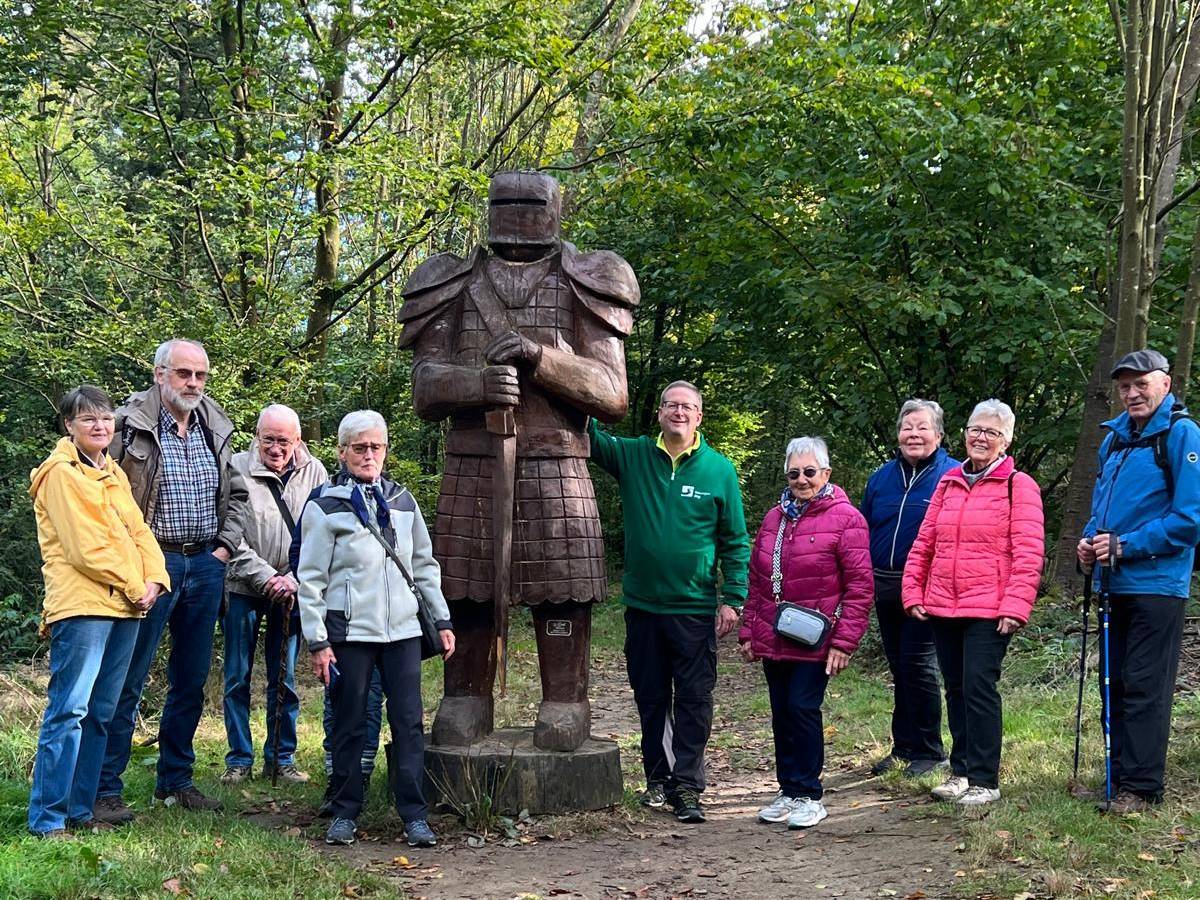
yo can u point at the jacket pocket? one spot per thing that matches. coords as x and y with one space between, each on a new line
337 627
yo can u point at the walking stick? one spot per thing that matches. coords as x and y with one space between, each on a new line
502 425
1083 636
281 686
1105 573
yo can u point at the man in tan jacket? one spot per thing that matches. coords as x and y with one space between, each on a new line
279 474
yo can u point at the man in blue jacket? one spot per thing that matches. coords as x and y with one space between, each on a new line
894 505
1145 523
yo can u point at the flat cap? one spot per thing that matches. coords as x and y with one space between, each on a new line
1142 361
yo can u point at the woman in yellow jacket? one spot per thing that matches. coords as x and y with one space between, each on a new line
103 570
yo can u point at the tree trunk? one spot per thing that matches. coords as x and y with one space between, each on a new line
1186 344
329 228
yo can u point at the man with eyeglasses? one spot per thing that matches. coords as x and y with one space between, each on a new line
173 443
279 474
1144 525
683 516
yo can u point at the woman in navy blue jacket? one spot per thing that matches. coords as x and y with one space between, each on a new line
894 505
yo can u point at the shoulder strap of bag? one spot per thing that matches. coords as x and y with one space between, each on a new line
777 568
394 556
277 493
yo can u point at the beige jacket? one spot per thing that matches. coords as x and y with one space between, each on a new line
263 552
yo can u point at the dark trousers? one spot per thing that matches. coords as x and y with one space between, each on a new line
672 665
797 690
1144 636
912 660
399 665
970 653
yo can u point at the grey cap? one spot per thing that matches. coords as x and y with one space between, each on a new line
1142 361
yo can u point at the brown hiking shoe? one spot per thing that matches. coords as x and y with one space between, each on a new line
1127 802
55 834
91 826
188 798
287 772
112 810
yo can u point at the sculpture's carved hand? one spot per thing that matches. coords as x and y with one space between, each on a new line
500 386
513 349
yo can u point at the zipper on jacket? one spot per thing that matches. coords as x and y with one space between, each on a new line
900 515
349 607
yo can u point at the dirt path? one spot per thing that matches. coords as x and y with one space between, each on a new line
872 844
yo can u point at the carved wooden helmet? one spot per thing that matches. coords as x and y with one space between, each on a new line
524 210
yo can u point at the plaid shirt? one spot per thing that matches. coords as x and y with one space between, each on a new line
187 495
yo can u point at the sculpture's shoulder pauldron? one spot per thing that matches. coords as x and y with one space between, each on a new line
605 284
430 288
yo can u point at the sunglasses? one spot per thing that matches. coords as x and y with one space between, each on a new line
808 472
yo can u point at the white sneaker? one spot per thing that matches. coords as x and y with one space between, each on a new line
951 789
779 810
977 796
807 813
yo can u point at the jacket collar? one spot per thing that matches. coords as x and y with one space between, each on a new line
1160 421
142 410
1001 472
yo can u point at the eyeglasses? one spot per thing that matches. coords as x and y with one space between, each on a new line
93 421
276 441
364 448
674 406
809 472
188 374
979 431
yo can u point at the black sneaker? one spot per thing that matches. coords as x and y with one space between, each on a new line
919 767
419 834
686 804
341 831
889 762
655 795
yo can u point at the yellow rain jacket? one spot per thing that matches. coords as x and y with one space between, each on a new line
98 555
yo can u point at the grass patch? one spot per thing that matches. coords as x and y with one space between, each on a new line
1035 840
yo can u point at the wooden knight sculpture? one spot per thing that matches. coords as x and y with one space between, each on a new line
517 345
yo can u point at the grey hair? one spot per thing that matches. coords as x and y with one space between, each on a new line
662 398
355 423
278 409
162 356
997 409
803 446
932 407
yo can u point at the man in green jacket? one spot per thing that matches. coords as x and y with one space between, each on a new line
683 518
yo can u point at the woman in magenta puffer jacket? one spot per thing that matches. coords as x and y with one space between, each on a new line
813 550
973 573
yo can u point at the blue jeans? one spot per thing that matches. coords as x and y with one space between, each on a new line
797 690
241 623
189 610
89 656
373 724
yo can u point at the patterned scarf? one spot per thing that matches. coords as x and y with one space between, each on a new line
794 510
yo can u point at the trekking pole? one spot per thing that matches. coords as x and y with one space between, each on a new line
1083 636
1105 573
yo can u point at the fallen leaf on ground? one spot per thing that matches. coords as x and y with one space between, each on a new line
292 832
1147 857
174 886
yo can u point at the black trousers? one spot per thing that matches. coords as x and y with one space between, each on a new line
797 690
399 665
1144 636
912 660
970 653
672 666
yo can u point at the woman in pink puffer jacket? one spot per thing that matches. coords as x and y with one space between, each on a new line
973 572
824 563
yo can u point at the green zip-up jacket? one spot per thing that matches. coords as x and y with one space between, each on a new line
681 520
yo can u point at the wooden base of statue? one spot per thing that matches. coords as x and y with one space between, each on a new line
507 768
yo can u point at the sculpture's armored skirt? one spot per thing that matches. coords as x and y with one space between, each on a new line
557 552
